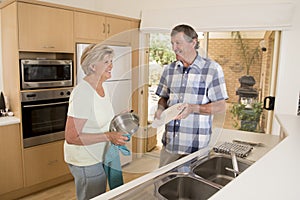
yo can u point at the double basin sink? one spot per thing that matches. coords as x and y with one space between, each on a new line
200 179
206 177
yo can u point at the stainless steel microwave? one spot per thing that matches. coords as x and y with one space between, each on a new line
36 74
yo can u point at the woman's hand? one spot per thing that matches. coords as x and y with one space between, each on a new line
116 138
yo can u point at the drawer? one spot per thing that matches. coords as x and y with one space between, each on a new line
44 162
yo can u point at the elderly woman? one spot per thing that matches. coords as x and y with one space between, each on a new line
87 128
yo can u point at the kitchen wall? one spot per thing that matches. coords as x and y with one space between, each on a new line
86 4
288 82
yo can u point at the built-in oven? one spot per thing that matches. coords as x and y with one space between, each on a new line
44 114
45 73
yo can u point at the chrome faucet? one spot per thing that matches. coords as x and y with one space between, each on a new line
234 163
235 166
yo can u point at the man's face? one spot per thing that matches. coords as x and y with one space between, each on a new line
182 48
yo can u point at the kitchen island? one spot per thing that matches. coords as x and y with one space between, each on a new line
275 175
272 176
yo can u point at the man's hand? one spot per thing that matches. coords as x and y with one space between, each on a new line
204 109
161 106
186 109
158 112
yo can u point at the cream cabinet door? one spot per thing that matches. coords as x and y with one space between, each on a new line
92 28
44 162
117 31
45 29
11 169
117 26
89 27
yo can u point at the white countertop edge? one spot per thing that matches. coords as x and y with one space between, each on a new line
147 177
275 175
4 121
289 123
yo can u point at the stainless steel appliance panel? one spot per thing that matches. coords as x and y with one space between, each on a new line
46 73
44 115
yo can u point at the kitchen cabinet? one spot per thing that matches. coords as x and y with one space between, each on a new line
39 29
116 25
45 29
89 27
92 28
11 169
44 162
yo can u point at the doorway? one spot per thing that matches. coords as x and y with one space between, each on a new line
160 55
219 46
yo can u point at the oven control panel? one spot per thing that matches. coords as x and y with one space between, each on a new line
38 95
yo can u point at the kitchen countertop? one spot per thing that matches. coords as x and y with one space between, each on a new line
275 175
258 153
265 142
9 120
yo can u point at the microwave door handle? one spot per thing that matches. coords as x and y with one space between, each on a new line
45 104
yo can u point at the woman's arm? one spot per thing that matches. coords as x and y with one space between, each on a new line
74 135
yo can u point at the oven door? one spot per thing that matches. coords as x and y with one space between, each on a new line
43 121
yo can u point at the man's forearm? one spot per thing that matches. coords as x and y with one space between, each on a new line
162 103
210 108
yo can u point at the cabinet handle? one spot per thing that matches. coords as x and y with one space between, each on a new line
104 28
45 104
48 47
108 26
52 162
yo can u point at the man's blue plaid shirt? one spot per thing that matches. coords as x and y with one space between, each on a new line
201 83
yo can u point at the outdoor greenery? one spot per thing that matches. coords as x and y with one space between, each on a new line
248 56
247 119
161 49
161 54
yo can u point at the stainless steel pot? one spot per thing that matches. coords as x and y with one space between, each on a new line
125 122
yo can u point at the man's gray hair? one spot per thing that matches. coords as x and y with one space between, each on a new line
189 33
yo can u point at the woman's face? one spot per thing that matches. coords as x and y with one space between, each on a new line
104 67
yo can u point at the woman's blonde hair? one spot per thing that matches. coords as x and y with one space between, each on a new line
92 54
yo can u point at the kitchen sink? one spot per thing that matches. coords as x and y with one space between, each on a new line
202 179
187 187
218 168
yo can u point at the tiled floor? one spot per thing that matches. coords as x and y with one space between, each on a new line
147 163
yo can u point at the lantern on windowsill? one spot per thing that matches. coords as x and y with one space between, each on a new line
247 110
